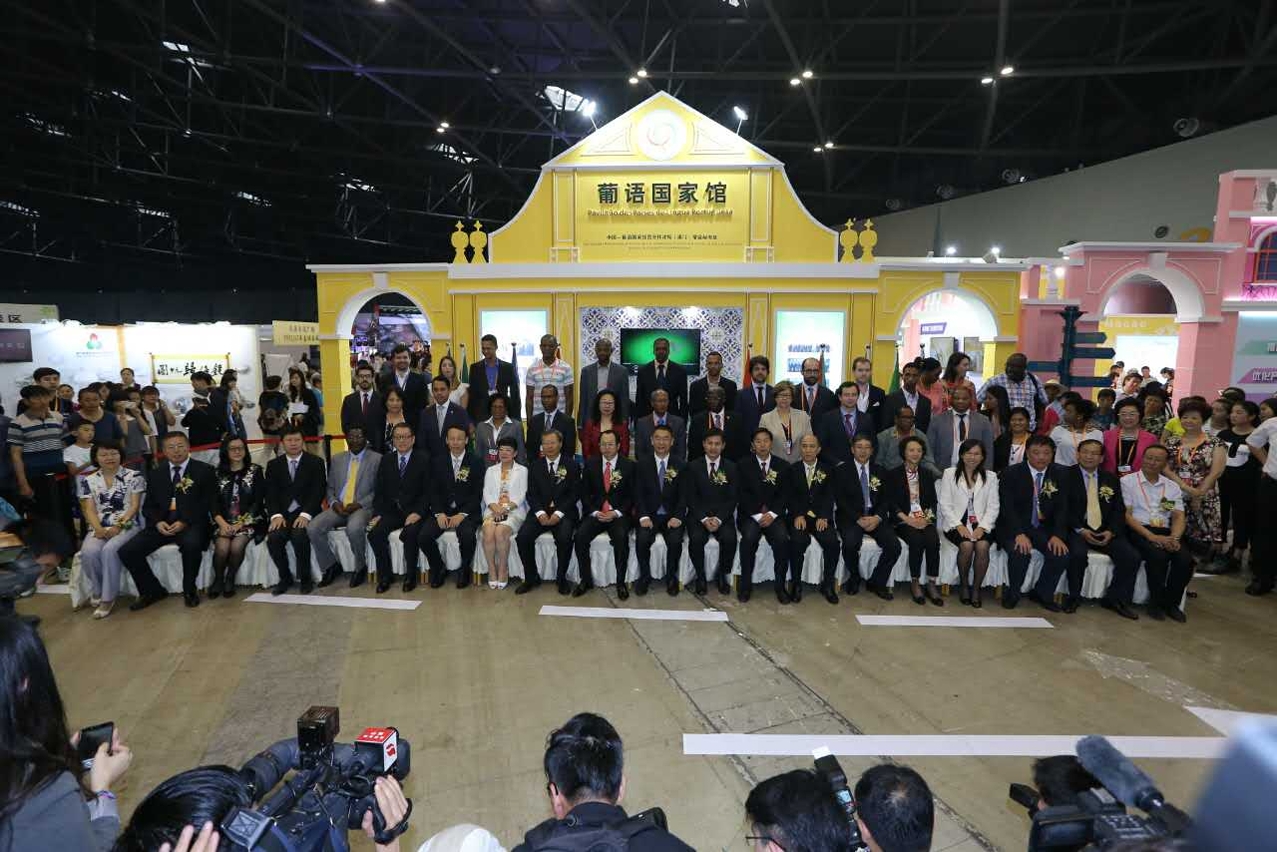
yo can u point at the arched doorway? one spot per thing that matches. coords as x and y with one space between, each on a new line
946 321
1139 317
385 321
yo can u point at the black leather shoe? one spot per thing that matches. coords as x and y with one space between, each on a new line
1071 604
1119 608
919 599
215 589
526 586
1047 604
383 583
622 592
565 588
884 592
934 598
1156 614
228 586
581 589
307 586
192 599
851 588
358 577
641 587
796 591
724 585
437 578
701 586
330 575
1009 601
830 594
1176 614
463 578
782 596
281 587
671 585
144 601
410 580
742 594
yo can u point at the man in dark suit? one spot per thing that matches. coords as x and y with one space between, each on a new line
660 508
661 374
363 407
1034 515
602 375
871 396
809 499
838 427
907 395
758 398
713 378
490 375
438 417
295 485
550 419
716 416
711 499
402 501
1099 517
950 428
761 512
607 496
411 385
456 503
812 396
863 510
554 485
181 498
645 427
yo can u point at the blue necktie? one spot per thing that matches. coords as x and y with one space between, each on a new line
660 474
864 485
403 464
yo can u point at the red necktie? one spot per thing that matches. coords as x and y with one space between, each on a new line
365 396
607 484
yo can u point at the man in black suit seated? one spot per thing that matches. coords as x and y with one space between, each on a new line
661 374
711 499
363 407
809 498
716 416
438 417
181 498
608 496
402 500
836 428
759 398
295 485
908 395
456 503
411 385
660 508
863 510
554 485
1034 515
489 376
812 396
761 513
1098 515
550 419
713 378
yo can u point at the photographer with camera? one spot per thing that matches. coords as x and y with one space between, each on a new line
49 798
797 812
894 809
584 765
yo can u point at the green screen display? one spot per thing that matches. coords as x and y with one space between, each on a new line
685 347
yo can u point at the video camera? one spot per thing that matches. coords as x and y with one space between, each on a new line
828 768
331 790
1099 820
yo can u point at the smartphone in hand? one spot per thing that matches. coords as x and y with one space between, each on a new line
91 739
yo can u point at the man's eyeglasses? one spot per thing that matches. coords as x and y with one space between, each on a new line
754 840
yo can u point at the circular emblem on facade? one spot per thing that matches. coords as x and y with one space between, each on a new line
661 135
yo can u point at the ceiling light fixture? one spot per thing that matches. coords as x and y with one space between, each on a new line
818 150
808 74
634 81
740 113
986 81
642 72
588 108
950 251
829 144
1007 70
794 81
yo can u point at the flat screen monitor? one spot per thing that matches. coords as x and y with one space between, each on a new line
685 347
15 345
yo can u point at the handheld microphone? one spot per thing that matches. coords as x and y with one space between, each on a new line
1126 781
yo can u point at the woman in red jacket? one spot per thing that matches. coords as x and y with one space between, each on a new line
1125 443
602 418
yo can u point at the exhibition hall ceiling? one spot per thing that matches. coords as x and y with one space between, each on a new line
164 136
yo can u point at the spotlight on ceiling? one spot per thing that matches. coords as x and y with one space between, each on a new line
991 256
986 81
818 150
634 81
950 251
588 108
642 72
794 81
894 204
740 113
808 74
1011 175
829 143
1007 70
945 191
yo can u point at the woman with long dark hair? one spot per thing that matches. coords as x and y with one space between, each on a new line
968 513
604 417
300 394
997 407
954 377
47 799
911 493
1239 483
240 515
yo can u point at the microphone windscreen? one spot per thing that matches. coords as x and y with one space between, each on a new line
1126 781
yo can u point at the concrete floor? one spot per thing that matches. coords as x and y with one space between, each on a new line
475 679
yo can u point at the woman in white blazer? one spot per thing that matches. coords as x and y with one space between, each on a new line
505 505
787 424
968 512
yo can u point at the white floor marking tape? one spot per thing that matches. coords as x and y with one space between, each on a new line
57 589
1226 721
322 600
949 621
952 745
639 614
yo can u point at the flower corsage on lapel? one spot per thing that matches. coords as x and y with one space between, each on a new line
719 478
184 484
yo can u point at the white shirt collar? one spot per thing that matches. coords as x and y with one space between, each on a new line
553 461
458 459
664 458
295 458
709 461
